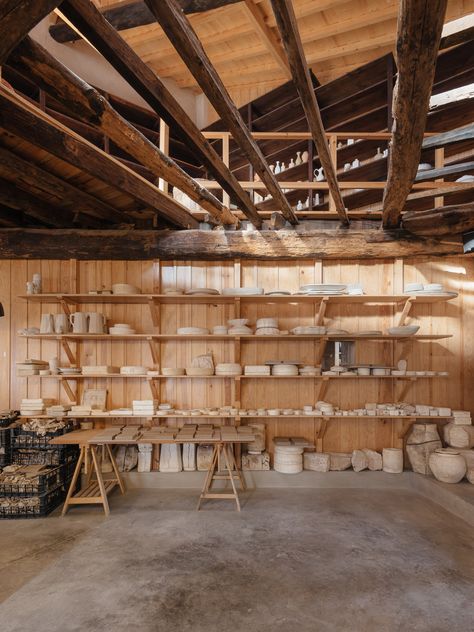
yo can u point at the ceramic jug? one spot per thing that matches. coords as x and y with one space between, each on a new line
61 324
96 323
319 174
305 156
79 322
47 324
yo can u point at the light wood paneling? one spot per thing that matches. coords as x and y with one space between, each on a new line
454 354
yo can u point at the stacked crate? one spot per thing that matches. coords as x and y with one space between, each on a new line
37 480
7 429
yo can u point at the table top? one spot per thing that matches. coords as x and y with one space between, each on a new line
93 437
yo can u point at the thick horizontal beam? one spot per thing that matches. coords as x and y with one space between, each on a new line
448 138
18 117
133 14
218 244
446 220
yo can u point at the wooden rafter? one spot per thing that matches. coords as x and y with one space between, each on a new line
286 21
20 118
32 59
420 23
267 35
218 244
89 21
445 220
184 39
133 14
17 18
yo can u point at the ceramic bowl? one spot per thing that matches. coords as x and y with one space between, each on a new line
363 370
199 371
237 322
406 330
267 322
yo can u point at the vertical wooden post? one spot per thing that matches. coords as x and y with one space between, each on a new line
310 173
164 144
333 154
225 160
439 163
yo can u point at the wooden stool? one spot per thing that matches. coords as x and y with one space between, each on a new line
95 491
230 473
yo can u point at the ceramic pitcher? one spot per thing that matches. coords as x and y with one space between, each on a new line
61 323
96 323
47 324
79 322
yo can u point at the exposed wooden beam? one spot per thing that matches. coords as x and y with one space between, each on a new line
49 214
90 22
32 59
286 21
448 138
445 220
17 18
184 39
267 35
420 23
218 244
133 14
20 118
27 175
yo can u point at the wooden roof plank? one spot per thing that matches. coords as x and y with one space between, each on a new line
420 24
184 39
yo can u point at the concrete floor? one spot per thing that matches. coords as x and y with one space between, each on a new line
300 560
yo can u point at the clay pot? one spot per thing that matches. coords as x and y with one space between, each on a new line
448 466
392 460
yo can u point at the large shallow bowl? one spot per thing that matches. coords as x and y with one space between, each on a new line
406 330
242 291
199 371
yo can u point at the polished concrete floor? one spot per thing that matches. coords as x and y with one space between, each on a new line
294 560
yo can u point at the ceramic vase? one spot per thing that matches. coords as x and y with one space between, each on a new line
304 156
448 466
298 160
277 168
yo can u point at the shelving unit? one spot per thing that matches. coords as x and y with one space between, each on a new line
321 305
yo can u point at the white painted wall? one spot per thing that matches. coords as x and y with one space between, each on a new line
88 64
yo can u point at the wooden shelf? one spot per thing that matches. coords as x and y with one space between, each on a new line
239 417
140 299
245 338
236 377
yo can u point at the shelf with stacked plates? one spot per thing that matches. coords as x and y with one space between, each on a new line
238 333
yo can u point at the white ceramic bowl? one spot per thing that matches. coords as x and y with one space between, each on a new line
363 370
406 330
267 322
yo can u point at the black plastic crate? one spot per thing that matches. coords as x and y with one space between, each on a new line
32 506
71 424
55 455
8 417
40 484
6 437
23 440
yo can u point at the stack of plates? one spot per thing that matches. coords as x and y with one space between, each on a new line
72 370
267 331
256 369
285 369
240 331
310 370
203 291
278 293
312 330
323 289
428 288
229 368
121 329
192 331
267 323
242 291
133 370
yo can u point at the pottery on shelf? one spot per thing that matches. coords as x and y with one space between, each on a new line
291 164
319 174
447 465
277 168
305 156
298 160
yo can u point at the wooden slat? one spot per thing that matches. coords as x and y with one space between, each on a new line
286 20
17 18
32 59
420 23
20 118
187 44
144 81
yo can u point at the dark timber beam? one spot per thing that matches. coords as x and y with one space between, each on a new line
45 185
286 21
91 23
89 105
420 23
133 14
183 37
17 18
218 244
20 118
448 138
446 220
44 212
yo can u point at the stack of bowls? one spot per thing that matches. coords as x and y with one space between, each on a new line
267 327
228 369
284 369
193 331
238 326
220 330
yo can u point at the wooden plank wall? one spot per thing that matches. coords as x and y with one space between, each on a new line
455 355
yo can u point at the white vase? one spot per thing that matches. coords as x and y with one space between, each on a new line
292 164
448 466
305 156
277 168
283 167
298 160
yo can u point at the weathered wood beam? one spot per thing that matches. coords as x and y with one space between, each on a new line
448 138
442 172
267 35
133 14
420 23
89 21
89 105
286 21
446 220
49 214
45 185
184 39
218 244
17 18
20 118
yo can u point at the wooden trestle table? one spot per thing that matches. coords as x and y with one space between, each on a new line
97 488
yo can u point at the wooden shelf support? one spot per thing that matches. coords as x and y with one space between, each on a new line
406 310
68 351
322 311
323 426
69 392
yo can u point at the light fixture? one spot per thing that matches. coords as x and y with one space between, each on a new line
468 242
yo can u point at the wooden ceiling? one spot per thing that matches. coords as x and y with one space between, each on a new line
243 43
